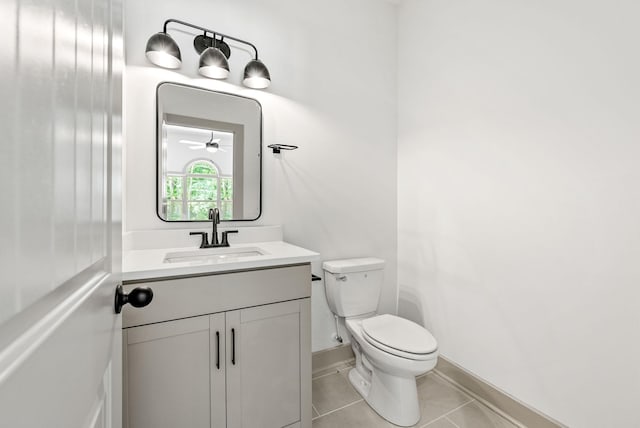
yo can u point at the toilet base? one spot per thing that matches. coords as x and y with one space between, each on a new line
392 397
359 383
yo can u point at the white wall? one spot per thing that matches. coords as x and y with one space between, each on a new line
519 196
333 94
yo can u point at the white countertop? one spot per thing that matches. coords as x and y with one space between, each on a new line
149 263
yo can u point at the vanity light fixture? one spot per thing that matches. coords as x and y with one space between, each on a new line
163 51
214 52
213 64
256 75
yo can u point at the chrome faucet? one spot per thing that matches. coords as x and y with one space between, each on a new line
214 216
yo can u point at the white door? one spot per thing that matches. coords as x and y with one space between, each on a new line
60 221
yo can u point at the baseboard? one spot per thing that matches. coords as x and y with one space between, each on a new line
493 397
327 359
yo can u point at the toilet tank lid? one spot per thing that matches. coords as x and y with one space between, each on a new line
353 265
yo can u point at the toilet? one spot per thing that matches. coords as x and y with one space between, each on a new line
390 351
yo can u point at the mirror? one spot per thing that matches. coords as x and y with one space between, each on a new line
209 150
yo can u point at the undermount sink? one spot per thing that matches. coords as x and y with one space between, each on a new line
212 255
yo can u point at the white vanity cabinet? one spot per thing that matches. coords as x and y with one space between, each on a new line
247 365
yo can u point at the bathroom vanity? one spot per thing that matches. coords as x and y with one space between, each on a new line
226 340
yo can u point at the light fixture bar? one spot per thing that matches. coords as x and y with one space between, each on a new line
163 51
206 30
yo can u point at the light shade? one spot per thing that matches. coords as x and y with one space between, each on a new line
213 64
256 75
163 51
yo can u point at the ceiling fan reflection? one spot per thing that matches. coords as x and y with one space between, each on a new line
212 146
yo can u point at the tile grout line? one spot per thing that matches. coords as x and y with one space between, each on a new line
444 415
481 400
336 371
451 422
324 375
315 410
340 408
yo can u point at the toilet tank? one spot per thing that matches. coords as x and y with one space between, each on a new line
353 285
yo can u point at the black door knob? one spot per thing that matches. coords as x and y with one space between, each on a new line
139 297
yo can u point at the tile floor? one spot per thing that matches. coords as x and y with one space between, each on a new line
336 404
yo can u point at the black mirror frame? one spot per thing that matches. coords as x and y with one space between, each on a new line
158 154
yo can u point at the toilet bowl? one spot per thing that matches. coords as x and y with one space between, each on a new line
390 351
389 383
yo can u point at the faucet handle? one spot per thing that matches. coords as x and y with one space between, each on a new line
205 238
225 238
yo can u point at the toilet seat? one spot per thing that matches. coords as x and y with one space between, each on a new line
399 336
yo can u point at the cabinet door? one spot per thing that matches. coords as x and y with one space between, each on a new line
263 366
218 364
168 374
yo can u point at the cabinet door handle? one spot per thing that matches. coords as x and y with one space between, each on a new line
218 350
233 346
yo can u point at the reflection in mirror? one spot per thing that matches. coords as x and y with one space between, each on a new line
199 173
209 147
